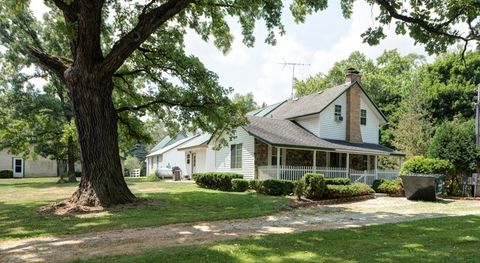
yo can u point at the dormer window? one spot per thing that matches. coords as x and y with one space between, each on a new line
363 117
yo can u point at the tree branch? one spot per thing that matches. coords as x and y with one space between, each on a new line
164 102
432 28
52 63
147 24
70 11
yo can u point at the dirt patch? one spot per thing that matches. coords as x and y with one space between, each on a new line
129 241
307 203
67 208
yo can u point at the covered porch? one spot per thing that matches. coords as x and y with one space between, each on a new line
290 163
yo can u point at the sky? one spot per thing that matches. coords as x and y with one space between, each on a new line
324 38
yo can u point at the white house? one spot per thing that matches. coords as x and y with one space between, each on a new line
335 131
165 153
31 167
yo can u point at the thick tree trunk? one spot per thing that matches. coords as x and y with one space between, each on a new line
102 182
71 160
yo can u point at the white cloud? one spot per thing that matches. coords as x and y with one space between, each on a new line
361 19
38 8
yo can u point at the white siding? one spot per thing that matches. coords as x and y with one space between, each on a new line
329 128
222 156
311 123
170 158
39 167
371 130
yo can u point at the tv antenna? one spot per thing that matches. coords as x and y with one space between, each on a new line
293 65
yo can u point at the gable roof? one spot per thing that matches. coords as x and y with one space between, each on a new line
286 133
265 110
310 104
167 140
200 140
317 102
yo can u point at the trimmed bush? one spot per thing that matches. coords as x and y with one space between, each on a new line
216 180
151 178
314 186
422 165
377 183
239 185
6 174
341 191
255 185
299 189
391 187
277 187
337 181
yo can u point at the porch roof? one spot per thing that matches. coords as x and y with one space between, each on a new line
285 133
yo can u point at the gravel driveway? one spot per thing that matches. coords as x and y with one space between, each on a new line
374 211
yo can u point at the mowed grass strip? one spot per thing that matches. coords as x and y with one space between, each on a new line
171 203
453 239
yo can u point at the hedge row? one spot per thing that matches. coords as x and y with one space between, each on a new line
337 181
240 185
392 187
216 180
6 174
339 191
312 186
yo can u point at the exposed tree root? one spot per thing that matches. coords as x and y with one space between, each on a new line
66 208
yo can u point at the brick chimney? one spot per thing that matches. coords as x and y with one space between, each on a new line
353 75
353 132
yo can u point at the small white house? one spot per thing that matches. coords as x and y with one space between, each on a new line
28 167
335 132
165 154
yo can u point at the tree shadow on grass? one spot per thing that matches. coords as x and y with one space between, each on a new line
22 220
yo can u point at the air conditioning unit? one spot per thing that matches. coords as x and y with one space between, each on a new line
338 118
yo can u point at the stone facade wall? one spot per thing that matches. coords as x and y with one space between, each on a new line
299 157
261 153
353 132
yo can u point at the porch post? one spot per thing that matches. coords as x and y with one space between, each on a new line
376 167
348 165
278 162
314 161
328 159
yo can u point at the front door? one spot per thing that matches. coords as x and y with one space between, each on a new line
18 167
194 163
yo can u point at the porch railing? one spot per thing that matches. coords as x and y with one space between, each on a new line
297 172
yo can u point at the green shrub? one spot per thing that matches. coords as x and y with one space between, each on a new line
422 165
6 174
255 185
239 185
337 181
151 178
391 187
377 183
340 191
299 189
277 187
216 180
314 186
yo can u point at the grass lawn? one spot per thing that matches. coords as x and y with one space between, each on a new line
454 239
174 203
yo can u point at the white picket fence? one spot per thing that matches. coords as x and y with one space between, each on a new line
135 173
297 172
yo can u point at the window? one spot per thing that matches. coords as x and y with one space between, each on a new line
188 158
363 117
274 156
338 110
236 156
